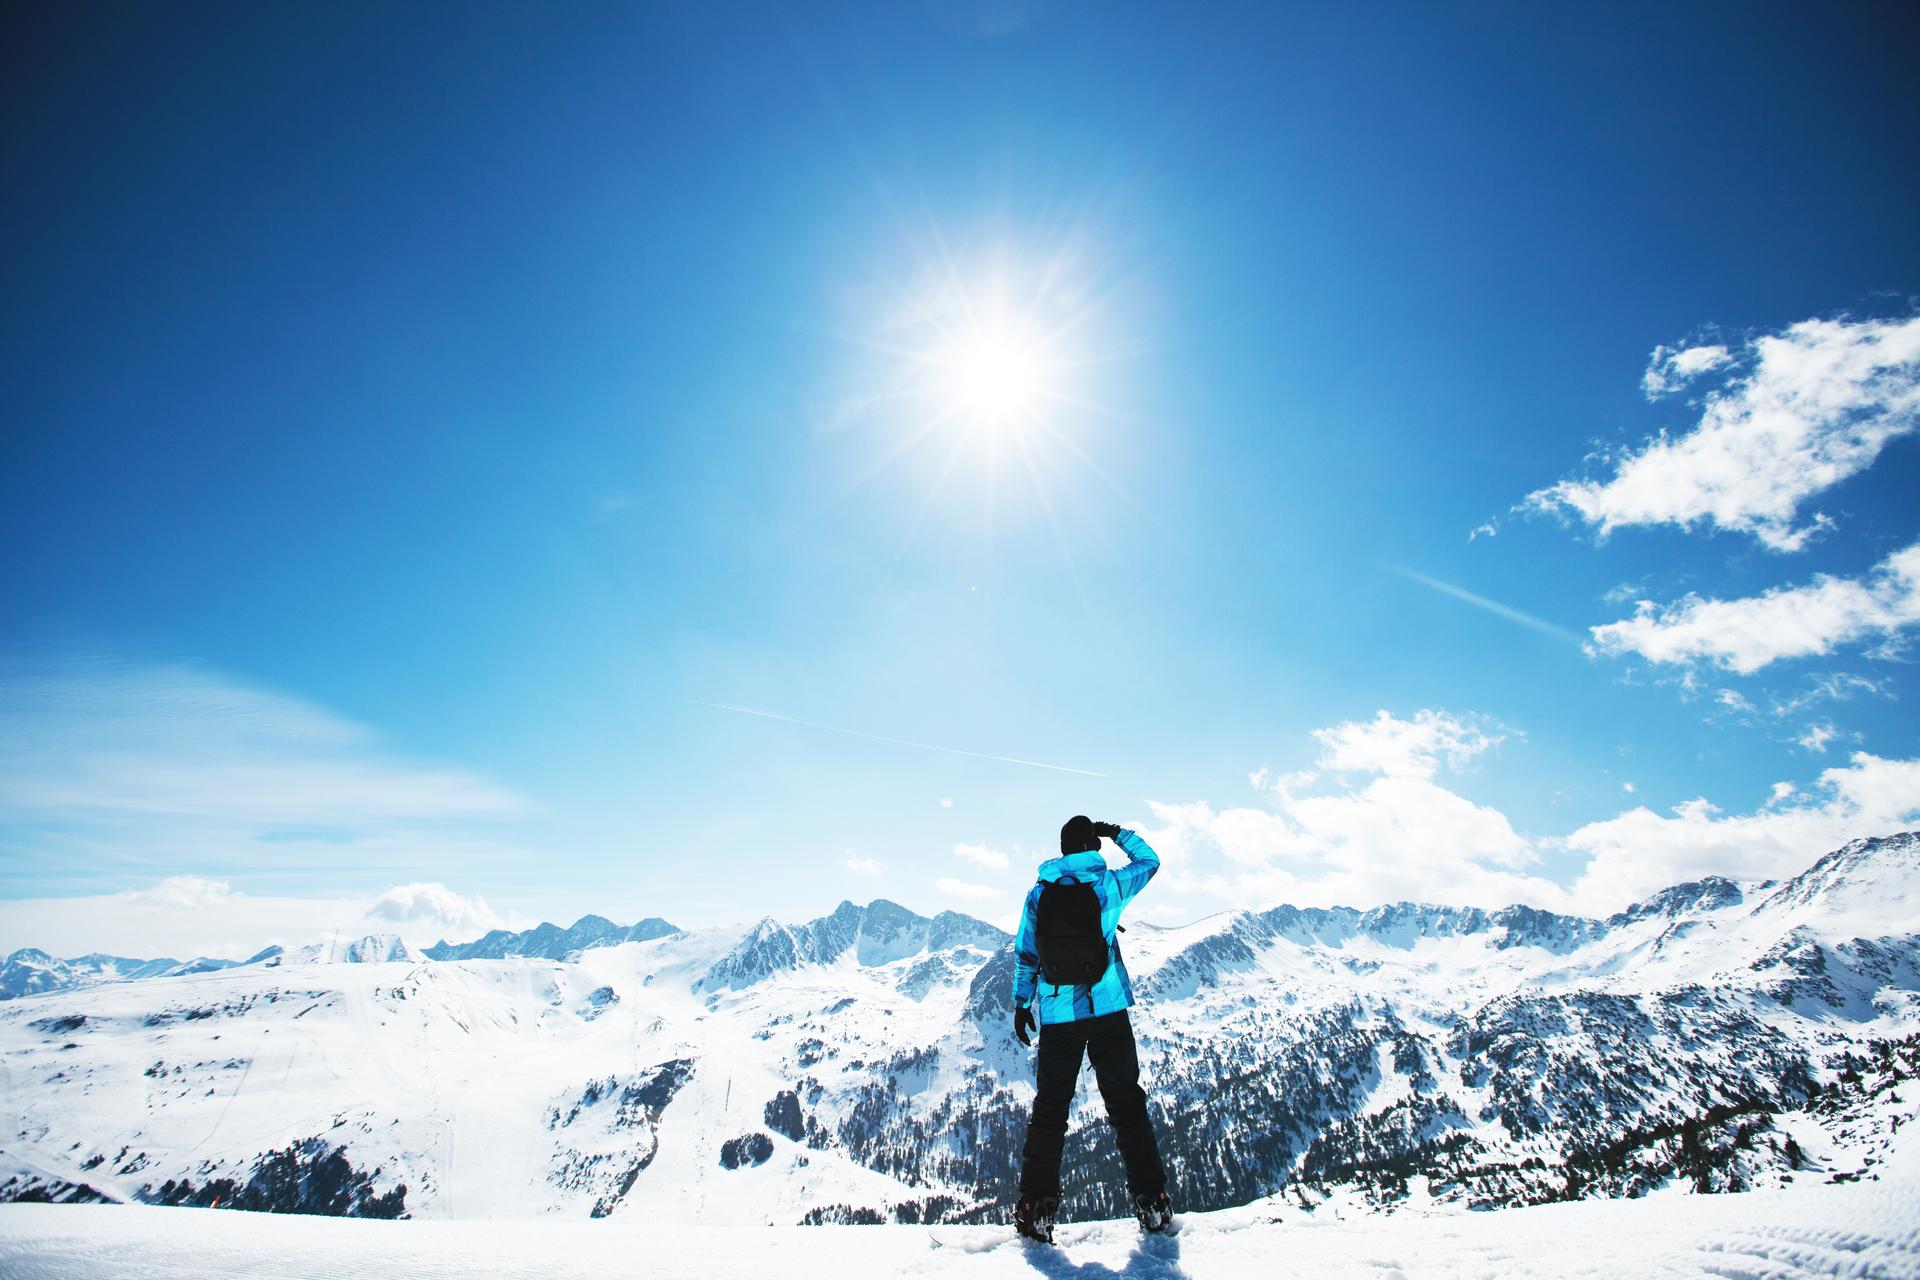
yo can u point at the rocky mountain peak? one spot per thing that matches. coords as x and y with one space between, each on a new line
879 933
375 948
1868 887
551 942
1711 893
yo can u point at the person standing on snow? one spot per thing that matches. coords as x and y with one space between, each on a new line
1067 969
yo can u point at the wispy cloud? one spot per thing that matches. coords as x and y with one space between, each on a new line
1670 369
1832 686
112 769
1494 607
981 856
862 866
1816 738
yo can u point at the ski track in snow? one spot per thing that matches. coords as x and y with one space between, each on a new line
1868 1231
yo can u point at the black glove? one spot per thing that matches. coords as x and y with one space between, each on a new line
1107 829
1023 1023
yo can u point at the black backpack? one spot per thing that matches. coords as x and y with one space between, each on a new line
1073 950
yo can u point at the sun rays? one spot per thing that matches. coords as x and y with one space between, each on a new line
978 364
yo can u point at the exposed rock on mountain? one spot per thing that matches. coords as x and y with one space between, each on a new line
550 941
875 935
859 1067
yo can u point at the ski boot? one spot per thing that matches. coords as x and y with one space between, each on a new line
1033 1217
1155 1213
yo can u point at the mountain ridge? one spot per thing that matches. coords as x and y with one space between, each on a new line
861 1068
550 941
30 970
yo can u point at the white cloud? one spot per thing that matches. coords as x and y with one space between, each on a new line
946 802
435 908
1672 368
1817 736
1403 748
1399 838
980 855
1622 592
1640 852
1744 635
1798 412
964 889
1392 818
1401 835
862 866
184 893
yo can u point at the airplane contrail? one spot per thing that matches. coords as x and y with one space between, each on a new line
1508 612
901 742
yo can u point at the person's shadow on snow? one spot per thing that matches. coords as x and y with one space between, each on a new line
1154 1258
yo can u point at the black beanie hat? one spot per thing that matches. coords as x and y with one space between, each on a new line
1077 836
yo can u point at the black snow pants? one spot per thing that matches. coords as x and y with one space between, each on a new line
1108 1041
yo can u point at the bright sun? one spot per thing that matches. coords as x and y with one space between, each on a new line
980 377
994 381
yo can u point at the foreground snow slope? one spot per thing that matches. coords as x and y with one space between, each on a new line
1869 1230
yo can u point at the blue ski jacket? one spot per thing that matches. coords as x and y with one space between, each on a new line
1115 889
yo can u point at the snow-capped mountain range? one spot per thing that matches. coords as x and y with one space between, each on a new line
859 1067
30 971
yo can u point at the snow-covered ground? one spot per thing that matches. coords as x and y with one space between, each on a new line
859 1068
1869 1230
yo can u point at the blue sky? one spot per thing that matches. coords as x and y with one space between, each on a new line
416 417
